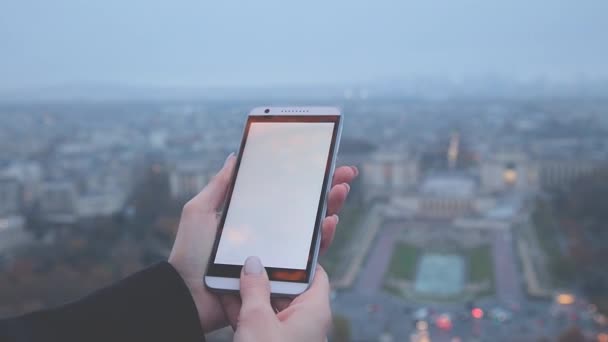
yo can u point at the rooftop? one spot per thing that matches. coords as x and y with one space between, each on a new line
448 186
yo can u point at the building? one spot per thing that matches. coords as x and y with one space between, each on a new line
58 202
188 178
388 173
558 172
508 171
100 204
443 197
28 174
562 161
446 197
10 196
546 167
12 235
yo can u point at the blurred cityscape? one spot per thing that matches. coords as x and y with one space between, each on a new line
473 219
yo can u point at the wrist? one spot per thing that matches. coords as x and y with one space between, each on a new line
210 315
205 302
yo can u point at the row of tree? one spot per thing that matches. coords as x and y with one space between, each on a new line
575 222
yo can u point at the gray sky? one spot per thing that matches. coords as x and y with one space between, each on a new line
250 43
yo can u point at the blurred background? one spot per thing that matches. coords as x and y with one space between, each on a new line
480 130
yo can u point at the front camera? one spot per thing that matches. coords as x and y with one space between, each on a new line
266 110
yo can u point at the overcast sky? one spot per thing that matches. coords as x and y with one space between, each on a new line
250 43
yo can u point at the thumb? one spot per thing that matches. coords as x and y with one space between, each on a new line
255 289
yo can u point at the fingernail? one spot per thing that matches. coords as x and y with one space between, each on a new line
355 170
347 187
337 218
228 158
253 265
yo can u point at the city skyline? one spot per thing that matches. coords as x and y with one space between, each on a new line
457 226
420 88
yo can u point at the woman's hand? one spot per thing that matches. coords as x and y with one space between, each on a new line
306 319
197 228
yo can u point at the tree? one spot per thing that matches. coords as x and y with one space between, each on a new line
578 212
572 334
152 196
341 329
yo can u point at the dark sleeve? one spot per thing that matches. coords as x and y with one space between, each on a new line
152 305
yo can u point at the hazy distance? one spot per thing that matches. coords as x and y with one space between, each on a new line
197 43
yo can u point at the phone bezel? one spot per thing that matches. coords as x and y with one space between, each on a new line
223 277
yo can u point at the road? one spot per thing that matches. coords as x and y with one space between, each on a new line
507 276
374 314
363 241
371 276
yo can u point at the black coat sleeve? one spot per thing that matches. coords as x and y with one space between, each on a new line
152 305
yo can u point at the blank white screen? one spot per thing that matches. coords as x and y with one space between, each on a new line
276 195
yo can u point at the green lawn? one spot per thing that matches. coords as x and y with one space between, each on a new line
392 290
480 263
481 267
403 262
405 259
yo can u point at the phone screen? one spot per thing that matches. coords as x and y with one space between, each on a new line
275 200
274 206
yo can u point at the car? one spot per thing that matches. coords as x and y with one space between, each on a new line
421 314
444 321
500 315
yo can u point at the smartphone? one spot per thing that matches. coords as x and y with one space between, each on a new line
277 198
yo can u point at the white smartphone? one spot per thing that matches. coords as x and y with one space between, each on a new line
277 199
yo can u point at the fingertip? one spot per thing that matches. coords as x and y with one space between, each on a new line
253 266
344 174
230 161
228 158
329 230
350 172
224 174
336 199
331 221
339 192
347 187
